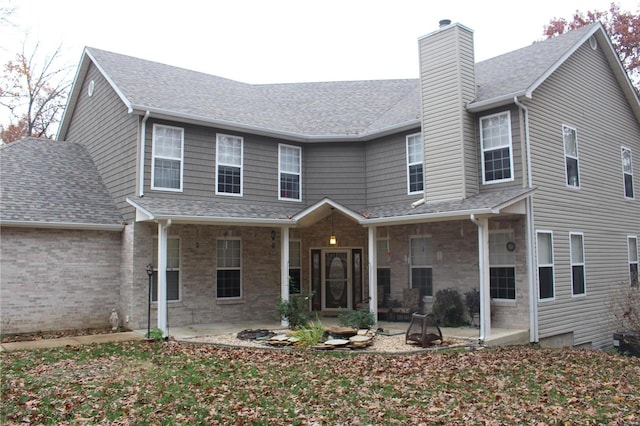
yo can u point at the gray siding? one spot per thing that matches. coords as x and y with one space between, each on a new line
336 170
387 171
102 124
584 95
447 85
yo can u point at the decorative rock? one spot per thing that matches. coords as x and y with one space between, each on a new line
336 342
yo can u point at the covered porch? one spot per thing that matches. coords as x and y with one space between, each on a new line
455 234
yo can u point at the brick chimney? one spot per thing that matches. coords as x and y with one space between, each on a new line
447 80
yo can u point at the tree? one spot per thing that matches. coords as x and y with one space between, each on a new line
34 91
623 28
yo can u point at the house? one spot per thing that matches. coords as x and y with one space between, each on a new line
512 176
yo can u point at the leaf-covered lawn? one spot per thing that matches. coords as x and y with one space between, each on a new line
172 383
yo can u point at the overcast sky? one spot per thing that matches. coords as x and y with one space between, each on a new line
272 41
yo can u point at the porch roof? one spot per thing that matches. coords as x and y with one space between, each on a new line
214 212
500 202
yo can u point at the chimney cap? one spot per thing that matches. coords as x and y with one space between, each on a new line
444 22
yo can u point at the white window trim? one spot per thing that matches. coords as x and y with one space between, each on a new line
515 278
299 267
218 164
623 149
510 146
583 264
632 262
179 269
411 265
409 164
577 158
280 145
154 156
552 265
240 268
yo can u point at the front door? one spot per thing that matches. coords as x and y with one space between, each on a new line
336 279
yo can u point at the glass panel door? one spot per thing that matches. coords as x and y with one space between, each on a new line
336 291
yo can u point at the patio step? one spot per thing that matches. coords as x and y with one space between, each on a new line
508 338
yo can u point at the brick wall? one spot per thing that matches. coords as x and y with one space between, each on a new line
58 279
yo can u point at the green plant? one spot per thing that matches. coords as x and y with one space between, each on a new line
356 319
309 334
448 308
295 310
472 300
155 334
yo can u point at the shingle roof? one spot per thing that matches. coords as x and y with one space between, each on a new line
49 182
315 110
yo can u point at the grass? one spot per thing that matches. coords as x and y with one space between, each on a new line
172 383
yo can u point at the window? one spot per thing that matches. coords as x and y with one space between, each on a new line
627 172
421 261
570 138
632 243
545 265
173 269
502 261
229 165
289 171
295 283
228 269
167 149
577 264
415 153
383 269
497 156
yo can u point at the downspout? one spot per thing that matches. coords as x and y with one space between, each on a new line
143 137
533 288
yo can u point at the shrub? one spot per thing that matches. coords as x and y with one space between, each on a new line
155 334
309 334
295 310
472 300
356 319
448 308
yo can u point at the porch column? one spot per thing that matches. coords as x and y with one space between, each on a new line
373 275
162 276
284 269
484 278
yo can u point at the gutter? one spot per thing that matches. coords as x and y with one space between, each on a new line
533 288
143 140
270 132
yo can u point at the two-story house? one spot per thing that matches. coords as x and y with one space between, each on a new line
513 176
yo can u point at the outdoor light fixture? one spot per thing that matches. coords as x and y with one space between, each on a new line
149 269
332 239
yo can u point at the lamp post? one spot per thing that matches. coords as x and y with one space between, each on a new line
149 274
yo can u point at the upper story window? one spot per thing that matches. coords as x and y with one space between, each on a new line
229 165
576 244
289 172
415 155
497 154
627 171
570 138
167 159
